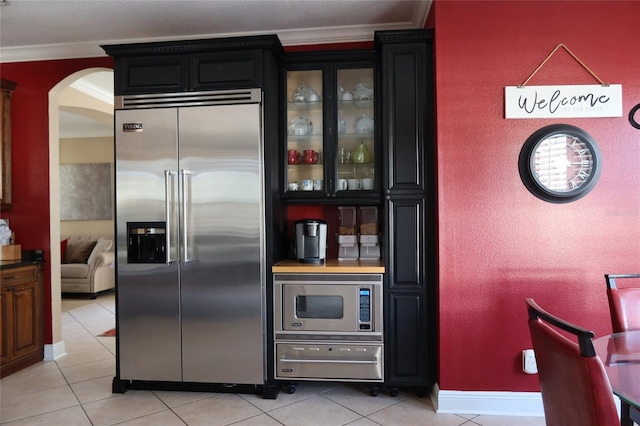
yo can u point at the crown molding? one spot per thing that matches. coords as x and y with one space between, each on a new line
92 49
93 90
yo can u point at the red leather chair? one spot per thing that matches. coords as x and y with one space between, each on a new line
624 303
574 386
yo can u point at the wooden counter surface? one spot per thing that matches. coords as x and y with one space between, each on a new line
331 266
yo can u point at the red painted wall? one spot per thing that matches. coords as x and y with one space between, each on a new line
29 217
498 243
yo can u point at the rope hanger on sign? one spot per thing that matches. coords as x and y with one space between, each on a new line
573 56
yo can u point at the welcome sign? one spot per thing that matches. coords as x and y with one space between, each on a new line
563 101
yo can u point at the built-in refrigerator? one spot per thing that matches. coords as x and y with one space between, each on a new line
190 215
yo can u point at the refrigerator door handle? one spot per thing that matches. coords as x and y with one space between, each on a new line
167 213
185 239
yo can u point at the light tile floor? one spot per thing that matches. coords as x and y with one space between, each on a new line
76 390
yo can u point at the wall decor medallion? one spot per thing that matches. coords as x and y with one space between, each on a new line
560 163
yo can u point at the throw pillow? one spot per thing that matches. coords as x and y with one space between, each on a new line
63 249
82 252
102 245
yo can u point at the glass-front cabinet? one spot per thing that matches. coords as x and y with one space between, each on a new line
331 149
305 132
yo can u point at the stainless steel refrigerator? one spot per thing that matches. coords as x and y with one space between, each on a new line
190 238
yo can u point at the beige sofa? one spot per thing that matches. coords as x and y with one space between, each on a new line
87 264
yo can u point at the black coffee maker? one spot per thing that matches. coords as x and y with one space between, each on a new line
311 240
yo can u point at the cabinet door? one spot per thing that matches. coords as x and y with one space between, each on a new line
405 115
355 147
406 340
305 140
406 243
225 70
25 318
151 74
6 325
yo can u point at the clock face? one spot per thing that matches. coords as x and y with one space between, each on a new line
560 163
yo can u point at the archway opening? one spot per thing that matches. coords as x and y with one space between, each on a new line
77 97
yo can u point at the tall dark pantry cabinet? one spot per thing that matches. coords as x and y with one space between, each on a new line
410 205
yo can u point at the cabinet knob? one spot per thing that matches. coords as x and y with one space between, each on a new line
11 288
388 191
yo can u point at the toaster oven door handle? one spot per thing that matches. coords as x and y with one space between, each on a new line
329 361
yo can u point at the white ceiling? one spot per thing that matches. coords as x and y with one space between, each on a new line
32 30
54 29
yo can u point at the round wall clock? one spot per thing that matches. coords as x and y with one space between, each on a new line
560 163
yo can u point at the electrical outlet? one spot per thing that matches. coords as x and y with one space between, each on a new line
529 365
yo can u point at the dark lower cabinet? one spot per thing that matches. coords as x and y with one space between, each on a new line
406 340
408 140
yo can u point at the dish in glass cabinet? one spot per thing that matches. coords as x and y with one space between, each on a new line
362 94
342 126
305 94
300 126
364 124
340 92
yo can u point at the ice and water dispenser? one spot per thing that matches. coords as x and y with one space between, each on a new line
146 242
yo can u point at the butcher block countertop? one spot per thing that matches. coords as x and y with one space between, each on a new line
331 266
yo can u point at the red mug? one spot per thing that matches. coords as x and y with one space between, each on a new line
293 156
310 156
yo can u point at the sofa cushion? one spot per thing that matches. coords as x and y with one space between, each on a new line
80 252
74 270
102 245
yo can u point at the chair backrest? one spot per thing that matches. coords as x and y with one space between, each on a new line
624 303
574 386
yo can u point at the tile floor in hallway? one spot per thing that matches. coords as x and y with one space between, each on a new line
76 390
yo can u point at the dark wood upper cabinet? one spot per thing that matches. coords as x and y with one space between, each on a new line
192 65
407 109
331 110
151 74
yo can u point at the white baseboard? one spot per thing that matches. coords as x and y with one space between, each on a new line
54 351
527 404
489 403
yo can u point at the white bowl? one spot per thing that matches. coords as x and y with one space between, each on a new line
300 126
305 94
362 92
364 124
